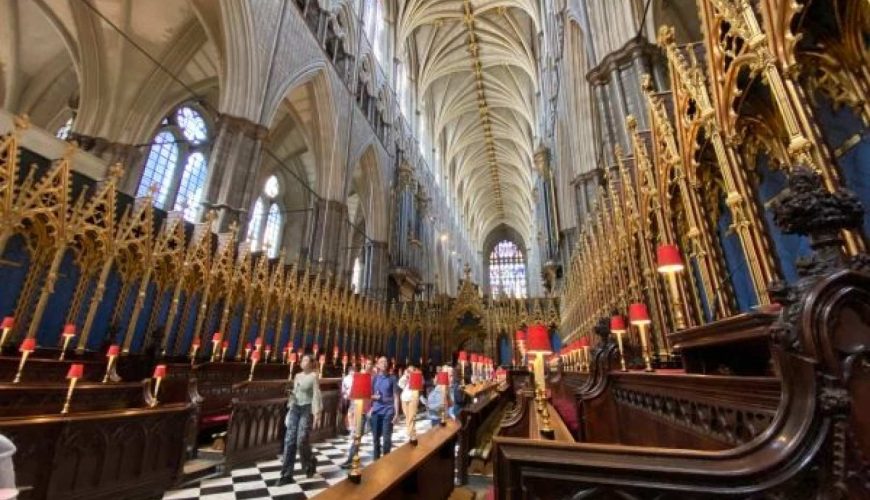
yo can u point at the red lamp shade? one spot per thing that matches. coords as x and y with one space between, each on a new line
441 378
475 358
669 259
248 346
583 342
292 357
226 344
415 381
463 356
258 342
322 359
617 324
69 330
361 388
114 350
159 371
539 340
315 348
344 359
255 356
520 336
335 351
638 314
195 343
76 370
28 345
288 348
8 322
217 337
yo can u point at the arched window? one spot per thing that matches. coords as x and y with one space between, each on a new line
177 163
264 228
507 270
356 276
65 129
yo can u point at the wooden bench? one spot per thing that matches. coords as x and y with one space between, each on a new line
25 399
478 421
131 454
422 472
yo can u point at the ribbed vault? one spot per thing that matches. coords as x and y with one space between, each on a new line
474 62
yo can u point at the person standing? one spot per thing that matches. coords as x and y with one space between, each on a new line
304 403
385 408
347 407
439 398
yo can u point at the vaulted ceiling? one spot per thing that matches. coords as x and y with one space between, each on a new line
475 67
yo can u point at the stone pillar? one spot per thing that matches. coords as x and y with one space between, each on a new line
233 170
327 234
130 156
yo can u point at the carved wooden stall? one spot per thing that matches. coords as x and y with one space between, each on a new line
795 430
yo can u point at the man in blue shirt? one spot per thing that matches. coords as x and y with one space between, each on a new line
385 408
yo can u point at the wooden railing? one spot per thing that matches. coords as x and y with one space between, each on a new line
422 472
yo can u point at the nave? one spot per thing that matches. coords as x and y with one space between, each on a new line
252 482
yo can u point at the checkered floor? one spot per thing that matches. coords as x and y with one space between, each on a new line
254 482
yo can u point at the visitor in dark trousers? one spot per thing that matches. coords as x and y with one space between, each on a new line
385 408
304 405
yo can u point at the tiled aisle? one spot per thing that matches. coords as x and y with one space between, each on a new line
253 482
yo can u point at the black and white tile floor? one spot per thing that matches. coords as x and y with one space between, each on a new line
254 482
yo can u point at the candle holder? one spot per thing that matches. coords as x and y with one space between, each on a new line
159 373
215 346
268 355
670 262
193 349
320 362
639 317
248 349
27 346
224 347
360 391
76 370
355 474
442 379
617 327
112 354
6 327
69 331
255 358
415 383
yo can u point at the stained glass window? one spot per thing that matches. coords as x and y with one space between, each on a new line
255 224
64 131
265 225
190 189
273 231
177 163
159 168
507 270
356 276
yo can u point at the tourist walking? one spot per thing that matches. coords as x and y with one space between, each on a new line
304 403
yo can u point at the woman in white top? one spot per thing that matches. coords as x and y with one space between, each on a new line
404 383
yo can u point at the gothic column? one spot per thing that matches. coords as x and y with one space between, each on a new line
327 234
233 169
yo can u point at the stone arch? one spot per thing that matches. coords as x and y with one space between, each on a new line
310 95
500 233
39 68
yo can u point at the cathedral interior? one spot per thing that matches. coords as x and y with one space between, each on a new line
633 232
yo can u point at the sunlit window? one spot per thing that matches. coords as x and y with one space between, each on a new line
356 276
65 129
265 225
177 163
507 270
